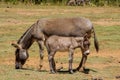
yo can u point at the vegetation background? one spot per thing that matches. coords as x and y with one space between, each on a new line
63 2
16 16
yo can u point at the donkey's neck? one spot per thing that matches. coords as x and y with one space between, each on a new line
26 39
26 44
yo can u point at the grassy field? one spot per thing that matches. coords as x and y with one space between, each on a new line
15 20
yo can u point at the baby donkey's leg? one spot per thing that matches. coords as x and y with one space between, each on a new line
51 62
70 60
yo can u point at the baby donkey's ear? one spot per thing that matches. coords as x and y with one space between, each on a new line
79 39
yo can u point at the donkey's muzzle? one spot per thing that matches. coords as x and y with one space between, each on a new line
87 52
18 66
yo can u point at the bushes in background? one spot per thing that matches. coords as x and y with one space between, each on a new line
63 2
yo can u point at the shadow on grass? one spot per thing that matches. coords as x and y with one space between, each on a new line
86 71
31 69
60 71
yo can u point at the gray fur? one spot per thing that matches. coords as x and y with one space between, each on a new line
46 27
57 43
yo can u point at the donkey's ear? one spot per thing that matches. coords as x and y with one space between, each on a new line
79 38
16 45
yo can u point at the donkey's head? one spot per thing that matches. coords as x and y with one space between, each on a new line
86 45
21 55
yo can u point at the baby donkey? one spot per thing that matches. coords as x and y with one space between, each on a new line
58 43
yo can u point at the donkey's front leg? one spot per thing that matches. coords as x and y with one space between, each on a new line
71 61
41 49
51 62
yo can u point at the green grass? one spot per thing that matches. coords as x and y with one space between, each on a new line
13 74
15 21
108 37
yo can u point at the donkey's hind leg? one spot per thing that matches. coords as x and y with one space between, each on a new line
81 66
41 49
71 61
54 65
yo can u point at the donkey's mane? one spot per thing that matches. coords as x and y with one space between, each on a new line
23 35
26 38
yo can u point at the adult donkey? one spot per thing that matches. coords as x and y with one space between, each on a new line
44 28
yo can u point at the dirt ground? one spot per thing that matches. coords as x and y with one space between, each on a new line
33 62
106 62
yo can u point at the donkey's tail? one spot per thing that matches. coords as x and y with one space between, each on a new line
96 44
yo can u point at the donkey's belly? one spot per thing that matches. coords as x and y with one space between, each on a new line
62 49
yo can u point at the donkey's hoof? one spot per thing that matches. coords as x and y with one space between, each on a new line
77 69
71 71
52 72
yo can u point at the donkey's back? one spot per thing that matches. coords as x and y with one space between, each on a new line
58 43
76 26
